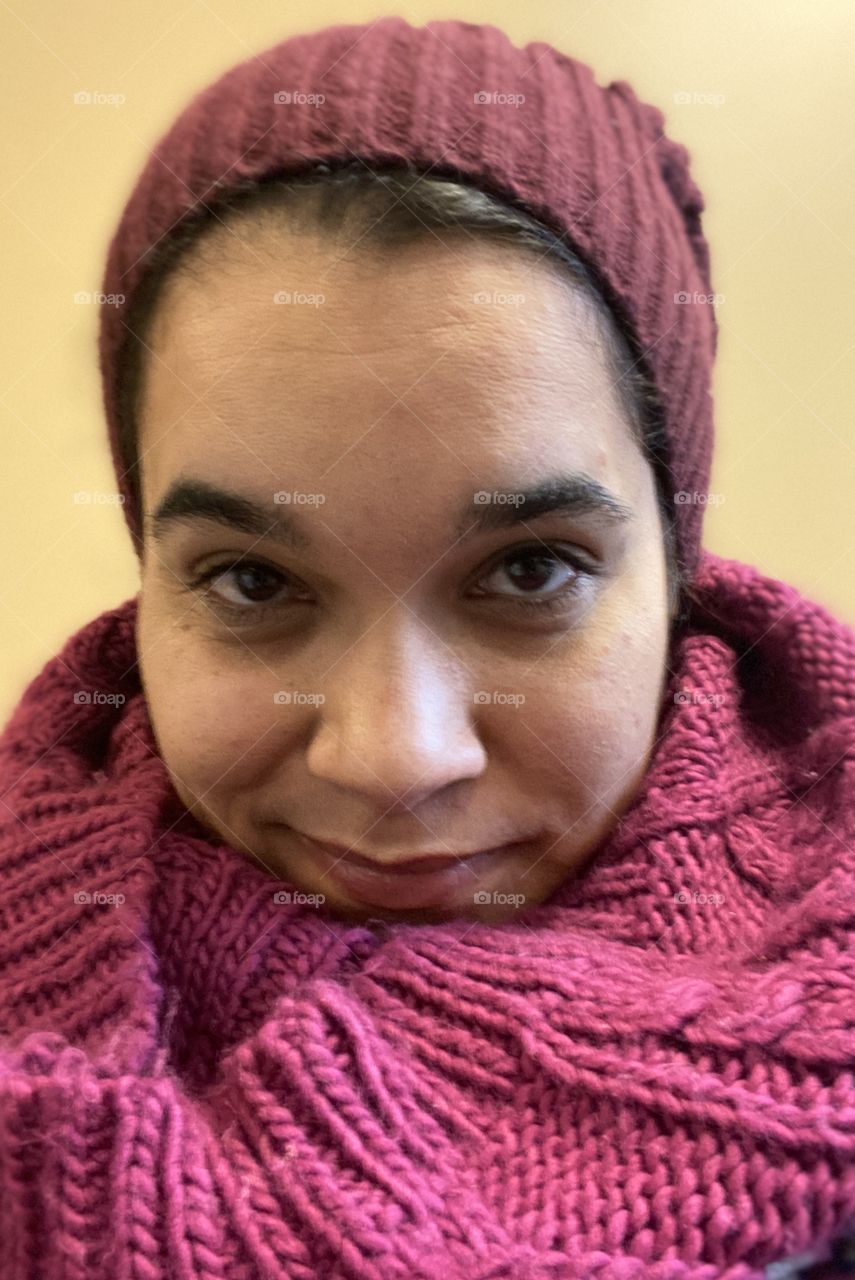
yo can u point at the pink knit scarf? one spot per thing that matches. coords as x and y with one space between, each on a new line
649 1076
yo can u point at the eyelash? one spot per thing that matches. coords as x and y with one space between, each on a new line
550 604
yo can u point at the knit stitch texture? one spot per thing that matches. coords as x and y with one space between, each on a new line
648 1077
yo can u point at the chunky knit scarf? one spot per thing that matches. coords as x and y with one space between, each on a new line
648 1077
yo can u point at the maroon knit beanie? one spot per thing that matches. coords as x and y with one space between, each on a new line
528 125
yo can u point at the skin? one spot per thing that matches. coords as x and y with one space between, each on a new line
396 399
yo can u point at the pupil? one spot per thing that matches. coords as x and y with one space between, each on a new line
256 582
523 579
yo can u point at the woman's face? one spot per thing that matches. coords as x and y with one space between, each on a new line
357 477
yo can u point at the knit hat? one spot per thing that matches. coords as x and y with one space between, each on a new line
530 126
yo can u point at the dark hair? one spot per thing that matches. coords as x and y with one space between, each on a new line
383 208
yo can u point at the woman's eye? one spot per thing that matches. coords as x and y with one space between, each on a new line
539 577
249 587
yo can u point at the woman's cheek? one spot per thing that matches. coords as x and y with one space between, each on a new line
600 724
212 718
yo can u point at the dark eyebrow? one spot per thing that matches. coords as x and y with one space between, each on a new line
191 500
575 494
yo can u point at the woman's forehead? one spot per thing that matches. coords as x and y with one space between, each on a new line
359 436
458 296
417 363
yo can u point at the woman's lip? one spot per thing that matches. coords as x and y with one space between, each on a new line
407 866
426 862
442 882
440 887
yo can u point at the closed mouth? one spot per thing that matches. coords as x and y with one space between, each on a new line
401 866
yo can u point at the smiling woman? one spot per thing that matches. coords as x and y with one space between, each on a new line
396 625
439 811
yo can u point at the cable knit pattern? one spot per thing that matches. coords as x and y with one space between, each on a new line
648 1077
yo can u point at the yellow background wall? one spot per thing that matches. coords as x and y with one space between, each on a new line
762 94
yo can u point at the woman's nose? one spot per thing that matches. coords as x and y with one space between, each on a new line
397 721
